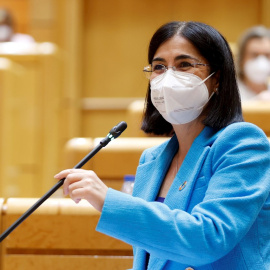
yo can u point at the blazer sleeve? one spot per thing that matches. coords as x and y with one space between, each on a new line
237 190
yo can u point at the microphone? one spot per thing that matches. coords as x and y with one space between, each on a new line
114 133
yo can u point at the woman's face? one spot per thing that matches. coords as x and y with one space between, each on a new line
256 47
256 61
179 49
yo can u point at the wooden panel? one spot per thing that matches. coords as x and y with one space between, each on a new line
134 119
30 119
112 163
1 230
99 115
33 262
265 7
60 22
258 113
75 150
122 156
117 35
61 235
18 122
97 123
59 224
227 16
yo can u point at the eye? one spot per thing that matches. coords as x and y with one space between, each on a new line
184 65
158 68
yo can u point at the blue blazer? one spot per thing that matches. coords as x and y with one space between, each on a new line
216 214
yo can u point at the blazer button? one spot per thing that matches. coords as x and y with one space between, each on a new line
189 268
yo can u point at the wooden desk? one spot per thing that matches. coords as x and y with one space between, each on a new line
258 113
59 235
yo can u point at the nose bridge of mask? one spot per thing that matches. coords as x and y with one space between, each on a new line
189 76
188 83
175 79
262 57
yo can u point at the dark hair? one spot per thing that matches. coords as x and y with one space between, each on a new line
6 17
224 107
255 32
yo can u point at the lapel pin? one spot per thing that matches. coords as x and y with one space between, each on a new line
183 186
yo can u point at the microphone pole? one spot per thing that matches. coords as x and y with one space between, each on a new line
114 133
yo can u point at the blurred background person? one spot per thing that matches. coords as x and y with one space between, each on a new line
253 61
7 29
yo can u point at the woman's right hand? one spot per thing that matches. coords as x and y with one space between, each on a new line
83 184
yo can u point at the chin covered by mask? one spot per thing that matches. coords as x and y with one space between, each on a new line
179 96
257 70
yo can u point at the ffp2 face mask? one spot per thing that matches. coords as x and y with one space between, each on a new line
257 70
179 96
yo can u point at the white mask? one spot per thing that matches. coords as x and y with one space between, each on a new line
257 70
179 96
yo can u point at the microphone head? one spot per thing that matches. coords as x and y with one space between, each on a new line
116 131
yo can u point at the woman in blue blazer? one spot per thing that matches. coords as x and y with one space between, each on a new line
201 200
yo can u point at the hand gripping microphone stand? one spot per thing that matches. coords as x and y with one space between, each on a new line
113 134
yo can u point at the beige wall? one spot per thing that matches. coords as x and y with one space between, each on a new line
117 35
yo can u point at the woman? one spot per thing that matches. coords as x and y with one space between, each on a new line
7 29
254 64
213 174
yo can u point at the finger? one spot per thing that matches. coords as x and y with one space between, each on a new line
74 186
77 194
65 173
77 180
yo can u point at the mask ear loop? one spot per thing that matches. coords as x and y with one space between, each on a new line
204 80
215 91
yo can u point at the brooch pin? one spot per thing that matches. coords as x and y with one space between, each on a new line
183 186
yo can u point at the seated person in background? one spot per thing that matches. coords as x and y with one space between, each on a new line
253 59
201 199
7 33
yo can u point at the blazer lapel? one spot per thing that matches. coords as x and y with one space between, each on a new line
150 190
180 191
158 167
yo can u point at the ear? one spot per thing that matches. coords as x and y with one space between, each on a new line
215 84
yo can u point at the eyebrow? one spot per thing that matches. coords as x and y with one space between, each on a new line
179 57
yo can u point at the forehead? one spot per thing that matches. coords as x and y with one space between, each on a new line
258 45
176 46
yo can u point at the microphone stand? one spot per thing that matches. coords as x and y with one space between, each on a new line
113 134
